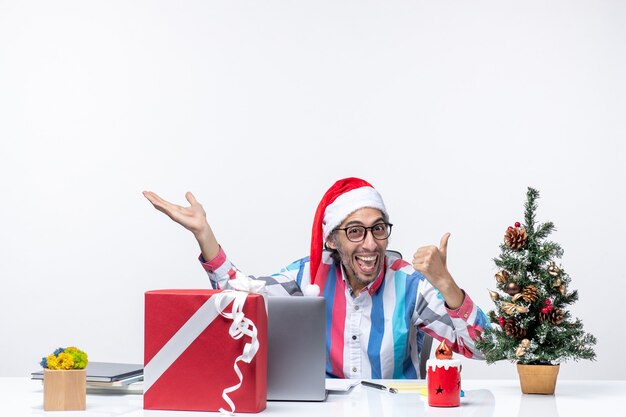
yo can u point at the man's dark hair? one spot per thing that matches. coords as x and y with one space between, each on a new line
334 253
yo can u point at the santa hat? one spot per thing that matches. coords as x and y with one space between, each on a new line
342 199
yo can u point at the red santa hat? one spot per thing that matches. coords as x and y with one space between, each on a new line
343 198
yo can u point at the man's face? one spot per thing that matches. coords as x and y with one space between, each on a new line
362 260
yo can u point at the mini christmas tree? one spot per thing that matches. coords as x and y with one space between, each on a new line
534 326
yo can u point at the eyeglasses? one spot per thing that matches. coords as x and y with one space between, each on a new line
380 231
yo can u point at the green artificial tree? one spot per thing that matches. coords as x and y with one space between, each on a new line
534 326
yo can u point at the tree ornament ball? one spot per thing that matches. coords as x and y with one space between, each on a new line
512 288
517 224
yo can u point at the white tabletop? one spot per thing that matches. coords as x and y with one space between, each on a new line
483 398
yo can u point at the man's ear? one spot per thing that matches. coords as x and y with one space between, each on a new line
330 244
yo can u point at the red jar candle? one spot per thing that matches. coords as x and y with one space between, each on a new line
444 382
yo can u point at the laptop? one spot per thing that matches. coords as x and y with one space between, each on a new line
296 362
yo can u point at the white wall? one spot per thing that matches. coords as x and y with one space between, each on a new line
451 109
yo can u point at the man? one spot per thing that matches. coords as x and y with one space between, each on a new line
375 302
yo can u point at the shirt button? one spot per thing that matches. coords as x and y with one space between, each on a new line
354 337
354 369
465 315
356 307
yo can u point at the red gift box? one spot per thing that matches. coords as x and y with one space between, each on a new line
189 353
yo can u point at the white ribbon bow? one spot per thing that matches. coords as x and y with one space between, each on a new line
241 326
244 283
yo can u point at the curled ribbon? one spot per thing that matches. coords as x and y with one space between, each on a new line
240 327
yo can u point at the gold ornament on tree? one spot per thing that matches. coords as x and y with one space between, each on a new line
511 308
494 295
521 348
502 277
560 285
515 238
554 270
512 288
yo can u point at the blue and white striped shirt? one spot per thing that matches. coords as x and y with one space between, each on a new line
374 334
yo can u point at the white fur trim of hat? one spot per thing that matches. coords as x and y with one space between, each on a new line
348 203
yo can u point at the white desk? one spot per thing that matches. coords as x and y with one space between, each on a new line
483 398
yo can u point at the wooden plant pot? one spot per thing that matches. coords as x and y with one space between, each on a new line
538 379
64 390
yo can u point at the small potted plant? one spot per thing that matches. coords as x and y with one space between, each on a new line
533 327
65 380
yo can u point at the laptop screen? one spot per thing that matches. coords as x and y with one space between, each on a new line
296 348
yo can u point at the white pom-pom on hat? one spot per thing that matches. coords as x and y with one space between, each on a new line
312 290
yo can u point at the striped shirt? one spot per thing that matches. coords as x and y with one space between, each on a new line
375 334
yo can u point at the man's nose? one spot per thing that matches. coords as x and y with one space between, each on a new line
369 242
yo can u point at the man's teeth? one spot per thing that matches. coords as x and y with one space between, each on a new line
367 258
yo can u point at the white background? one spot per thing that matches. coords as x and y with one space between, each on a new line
451 109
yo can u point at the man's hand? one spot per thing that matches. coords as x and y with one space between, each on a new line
431 262
192 218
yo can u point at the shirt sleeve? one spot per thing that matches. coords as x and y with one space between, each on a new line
221 270
459 327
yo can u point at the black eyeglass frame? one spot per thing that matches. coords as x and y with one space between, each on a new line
367 229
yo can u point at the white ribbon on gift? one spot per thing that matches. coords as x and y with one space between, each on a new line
200 320
246 284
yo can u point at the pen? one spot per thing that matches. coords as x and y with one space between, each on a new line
379 386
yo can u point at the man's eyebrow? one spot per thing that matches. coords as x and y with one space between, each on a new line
360 223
